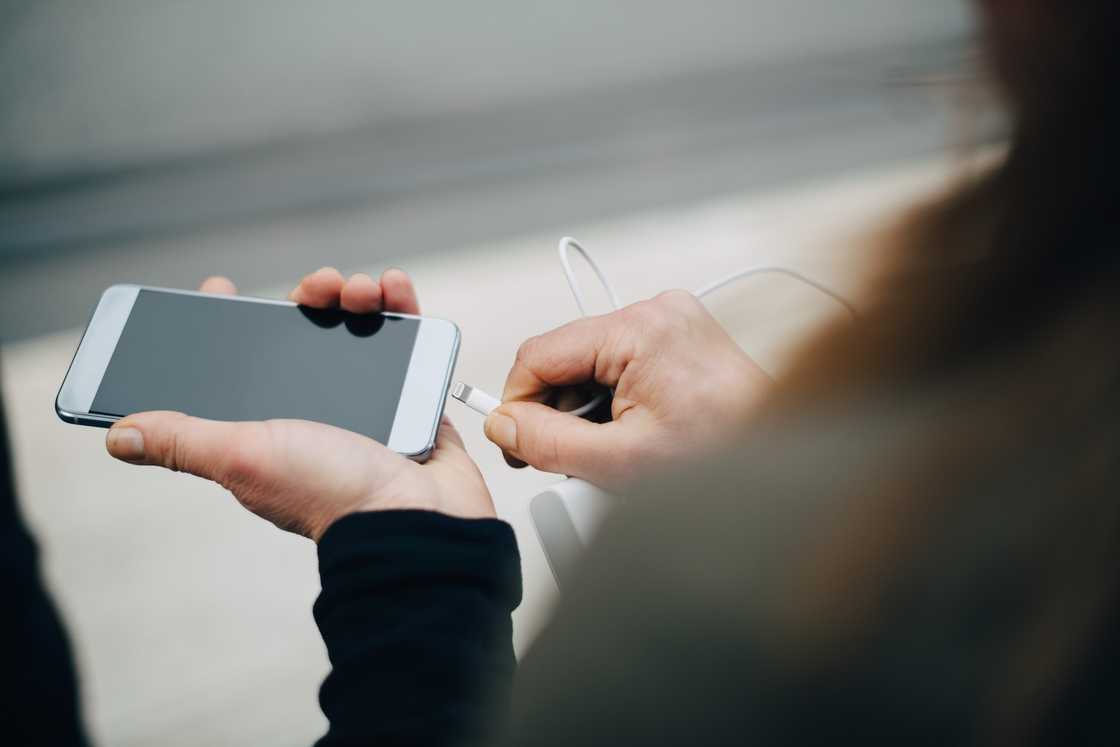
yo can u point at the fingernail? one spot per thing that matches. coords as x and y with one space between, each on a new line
126 444
502 430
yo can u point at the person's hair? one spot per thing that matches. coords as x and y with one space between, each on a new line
1005 297
1017 248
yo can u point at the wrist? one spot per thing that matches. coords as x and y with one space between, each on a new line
463 496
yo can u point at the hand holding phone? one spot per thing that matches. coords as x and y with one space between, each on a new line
382 374
304 475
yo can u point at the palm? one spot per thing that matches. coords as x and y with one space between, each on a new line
290 470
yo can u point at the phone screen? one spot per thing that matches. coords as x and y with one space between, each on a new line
224 359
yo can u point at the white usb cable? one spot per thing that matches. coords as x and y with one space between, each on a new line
476 399
483 403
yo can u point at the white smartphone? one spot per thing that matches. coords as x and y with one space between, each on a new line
236 358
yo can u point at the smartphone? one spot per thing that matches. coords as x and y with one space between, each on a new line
237 358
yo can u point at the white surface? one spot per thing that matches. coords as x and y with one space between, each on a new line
192 618
587 506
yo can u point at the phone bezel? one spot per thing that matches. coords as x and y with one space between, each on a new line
419 408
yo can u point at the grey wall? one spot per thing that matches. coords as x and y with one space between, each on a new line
98 84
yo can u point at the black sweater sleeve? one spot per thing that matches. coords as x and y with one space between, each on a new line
415 612
37 673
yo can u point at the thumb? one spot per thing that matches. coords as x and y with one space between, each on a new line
555 441
207 448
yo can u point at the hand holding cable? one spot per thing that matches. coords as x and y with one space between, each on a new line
680 383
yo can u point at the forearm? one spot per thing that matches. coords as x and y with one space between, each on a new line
415 613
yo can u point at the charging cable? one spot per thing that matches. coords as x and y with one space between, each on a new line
476 399
484 403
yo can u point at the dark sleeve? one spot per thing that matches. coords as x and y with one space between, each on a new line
415 612
37 675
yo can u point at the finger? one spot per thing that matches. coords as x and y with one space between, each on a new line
398 292
321 289
554 441
449 434
215 450
218 285
361 294
578 352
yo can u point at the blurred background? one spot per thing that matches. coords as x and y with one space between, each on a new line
158 142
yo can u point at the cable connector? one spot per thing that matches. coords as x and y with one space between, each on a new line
476 399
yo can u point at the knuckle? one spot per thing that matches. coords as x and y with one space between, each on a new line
243 456
567 447
675 298
526 350
641 312
170 446
556 446
549 452
529 353
173 452
675 311
653 317
637 310
541 355
165 441
678 301
539 444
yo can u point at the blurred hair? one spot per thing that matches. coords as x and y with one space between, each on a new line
1002 298
917 540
